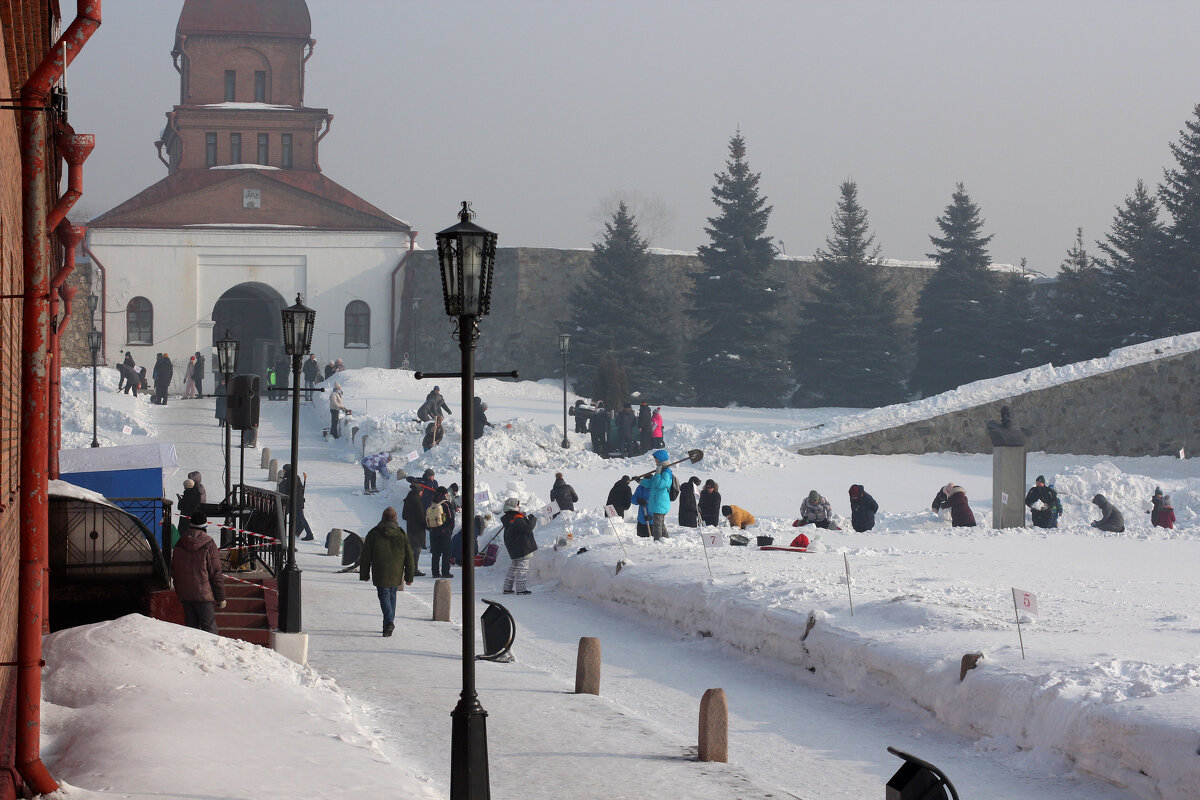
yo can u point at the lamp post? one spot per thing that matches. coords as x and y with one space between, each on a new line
466 255
94 346
298 323
227 359
564 345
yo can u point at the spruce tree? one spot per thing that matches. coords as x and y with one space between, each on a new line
848 349
611 312
1180 195
955 330
1137 286
738 355
1079 323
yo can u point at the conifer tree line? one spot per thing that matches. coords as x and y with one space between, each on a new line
728 336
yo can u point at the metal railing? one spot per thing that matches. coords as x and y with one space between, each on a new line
262 512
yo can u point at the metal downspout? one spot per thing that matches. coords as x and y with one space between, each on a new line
70 236
412 238
35 327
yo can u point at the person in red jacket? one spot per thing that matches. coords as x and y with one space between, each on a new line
953 497
196 571
1163 515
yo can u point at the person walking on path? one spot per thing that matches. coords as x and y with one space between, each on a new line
659 486
439 521
312 375
337 407
1042 501
284 487
563 494
414 522
862 509
689 495
387 561
196 573
620 496
189 385
519 541
1111 519
709 503
198 374
954 497
164 370
376 462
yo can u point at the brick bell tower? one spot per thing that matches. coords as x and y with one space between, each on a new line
241 88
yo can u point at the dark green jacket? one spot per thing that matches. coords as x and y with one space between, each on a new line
387 553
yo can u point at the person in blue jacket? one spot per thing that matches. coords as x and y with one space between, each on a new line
371 464
640 495
658 487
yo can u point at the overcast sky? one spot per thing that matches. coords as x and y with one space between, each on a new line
1048 111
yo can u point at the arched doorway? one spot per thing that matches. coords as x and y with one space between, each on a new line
251 314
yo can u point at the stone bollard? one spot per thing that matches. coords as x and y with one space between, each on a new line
714 726
266 457
334 548
441 600
273 470
587 666
969 660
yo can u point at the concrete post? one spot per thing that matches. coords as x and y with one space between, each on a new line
1008 487
335 543
266 457
714 726
441 600
273 470
587 666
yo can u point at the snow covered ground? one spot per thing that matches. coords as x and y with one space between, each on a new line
1104 704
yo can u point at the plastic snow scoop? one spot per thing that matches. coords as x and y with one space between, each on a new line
692 456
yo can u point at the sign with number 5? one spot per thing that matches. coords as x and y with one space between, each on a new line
1025 601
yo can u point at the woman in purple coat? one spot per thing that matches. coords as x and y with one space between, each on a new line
953 497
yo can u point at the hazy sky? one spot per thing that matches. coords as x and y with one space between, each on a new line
1047 111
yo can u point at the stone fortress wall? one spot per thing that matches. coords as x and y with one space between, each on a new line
1147 409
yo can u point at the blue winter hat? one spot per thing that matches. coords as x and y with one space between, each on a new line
661 456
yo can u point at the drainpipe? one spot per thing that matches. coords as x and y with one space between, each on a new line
412 238
103 303
74 149
35 509
321 134
70 236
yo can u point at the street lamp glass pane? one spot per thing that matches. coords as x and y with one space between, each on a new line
472 272
564 343
94 340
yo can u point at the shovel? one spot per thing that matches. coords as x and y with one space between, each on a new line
692 456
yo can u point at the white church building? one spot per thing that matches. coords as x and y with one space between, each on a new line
245 221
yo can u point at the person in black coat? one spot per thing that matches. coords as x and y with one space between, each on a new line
481 421
284 487
189 501
563 494
862 509
598 427
689 511
433 434
626 421
647 427
1043 496
130 376
519 541
709 504
434 406
198 374
128 362
413 513
164 370
581 420
620 496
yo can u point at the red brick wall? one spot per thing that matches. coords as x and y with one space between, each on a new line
194 124
25 40
209 56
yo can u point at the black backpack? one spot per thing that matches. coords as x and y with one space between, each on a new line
673 492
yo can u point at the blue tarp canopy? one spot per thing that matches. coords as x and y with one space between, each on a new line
139 470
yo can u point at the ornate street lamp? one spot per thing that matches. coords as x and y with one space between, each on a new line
93 345
467 255
227 361
564 345
298 323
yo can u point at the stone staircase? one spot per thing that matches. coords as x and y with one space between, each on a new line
250 613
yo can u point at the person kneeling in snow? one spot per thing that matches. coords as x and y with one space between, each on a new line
1110 520
954 497
738 517
816 510
1163 515
862 509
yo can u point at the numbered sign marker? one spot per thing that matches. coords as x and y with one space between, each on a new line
413 456
548 509
1025 601
127 430
609 511
1004 498
713 539
483 497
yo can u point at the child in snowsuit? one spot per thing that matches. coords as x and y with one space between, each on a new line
1164 515
519 541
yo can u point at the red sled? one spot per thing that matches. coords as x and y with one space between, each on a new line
788 549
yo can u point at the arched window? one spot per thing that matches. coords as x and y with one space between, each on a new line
358 324
139 322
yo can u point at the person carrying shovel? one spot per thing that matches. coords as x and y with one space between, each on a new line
660 486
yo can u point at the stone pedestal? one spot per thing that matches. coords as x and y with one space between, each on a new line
273 470
714 726
266 457
441 600
1008 483
587 666
334 548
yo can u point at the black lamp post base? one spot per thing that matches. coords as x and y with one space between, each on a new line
289 599
468 751
565 443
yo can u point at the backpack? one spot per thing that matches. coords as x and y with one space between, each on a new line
435 516
673 492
